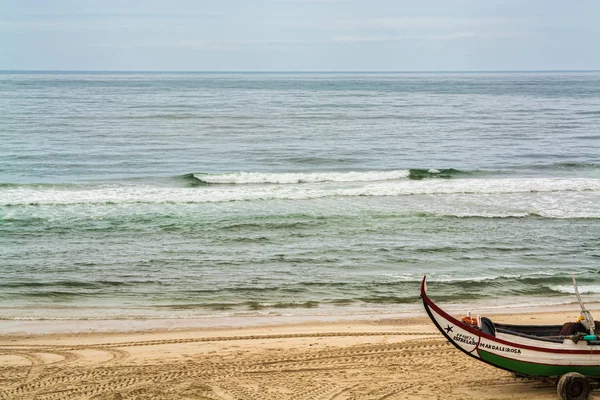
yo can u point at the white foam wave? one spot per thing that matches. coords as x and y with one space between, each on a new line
313 177
490 278
130 194
569 289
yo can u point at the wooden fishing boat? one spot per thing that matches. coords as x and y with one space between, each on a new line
569 353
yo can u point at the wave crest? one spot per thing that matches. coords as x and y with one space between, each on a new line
149 194
241 178
434 173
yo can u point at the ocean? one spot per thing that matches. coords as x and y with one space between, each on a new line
190 195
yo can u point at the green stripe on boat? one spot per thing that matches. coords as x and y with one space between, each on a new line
529 368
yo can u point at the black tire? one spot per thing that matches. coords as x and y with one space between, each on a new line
573 386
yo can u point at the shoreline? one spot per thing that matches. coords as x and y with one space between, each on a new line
27 327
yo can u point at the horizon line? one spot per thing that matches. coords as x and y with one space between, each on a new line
289 71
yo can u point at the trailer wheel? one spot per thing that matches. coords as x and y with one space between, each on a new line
573 386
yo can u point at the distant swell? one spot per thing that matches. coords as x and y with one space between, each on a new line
568 166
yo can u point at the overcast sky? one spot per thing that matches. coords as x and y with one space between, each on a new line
299 35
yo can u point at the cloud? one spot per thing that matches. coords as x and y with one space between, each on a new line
208 44
202 44
363 39
436 23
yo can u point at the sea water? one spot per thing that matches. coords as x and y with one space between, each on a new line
183 195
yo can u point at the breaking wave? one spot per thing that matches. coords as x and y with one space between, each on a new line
435 173
240 178
152 194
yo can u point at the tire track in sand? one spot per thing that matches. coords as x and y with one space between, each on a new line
378 371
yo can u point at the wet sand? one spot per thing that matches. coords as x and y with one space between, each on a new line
402 358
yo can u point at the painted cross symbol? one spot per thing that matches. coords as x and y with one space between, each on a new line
448 328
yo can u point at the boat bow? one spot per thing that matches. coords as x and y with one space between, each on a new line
511 351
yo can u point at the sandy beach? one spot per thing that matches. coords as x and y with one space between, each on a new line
403 358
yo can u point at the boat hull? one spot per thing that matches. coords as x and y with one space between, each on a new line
515 353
